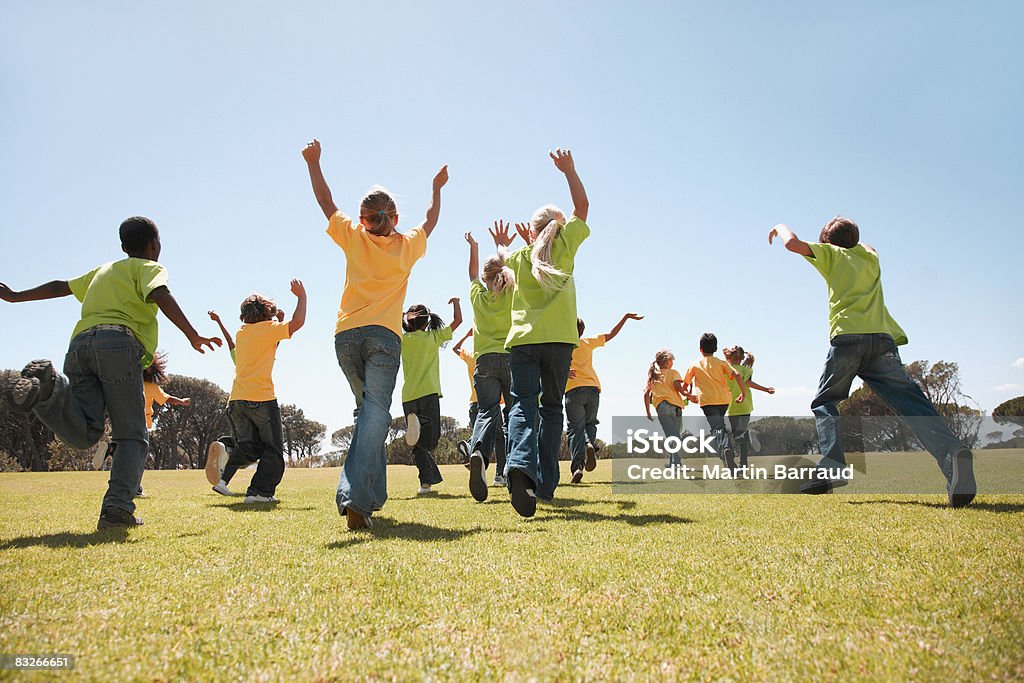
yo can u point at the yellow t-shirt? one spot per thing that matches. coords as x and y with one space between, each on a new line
711 377
255 348
154 394
664 389
470 360
583 363
376 273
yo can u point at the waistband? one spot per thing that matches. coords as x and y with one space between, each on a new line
114 328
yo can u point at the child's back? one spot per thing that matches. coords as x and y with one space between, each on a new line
255 352
420 366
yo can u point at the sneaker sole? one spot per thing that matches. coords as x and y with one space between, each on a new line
524 501
477 483
356 521
962 487
213 457
412 429
100 455
24 394
591 461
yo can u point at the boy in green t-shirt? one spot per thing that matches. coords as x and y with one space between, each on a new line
864 340
111 345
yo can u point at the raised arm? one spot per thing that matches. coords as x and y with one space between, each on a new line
790 240
434 210
474 258
51 290
299 316
311 154
223 330
163 298
525 232
457 349
615 330
456 313
565 164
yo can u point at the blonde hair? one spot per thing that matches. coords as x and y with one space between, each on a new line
661 358
379 211
546 223
496 275
740 355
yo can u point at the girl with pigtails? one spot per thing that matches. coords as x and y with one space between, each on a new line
664 390
541 340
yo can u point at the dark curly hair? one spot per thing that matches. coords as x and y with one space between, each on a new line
256 308
156 372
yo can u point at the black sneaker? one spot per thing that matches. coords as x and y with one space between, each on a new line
816 487
521 488
463 448
730 459
962 487
114 518
591 461
477 480
577 477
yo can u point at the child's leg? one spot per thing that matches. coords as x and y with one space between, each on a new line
555 362
501 441
74 411
487 382
841 365
242 432
670 418
428 411
369 356
474 410
576 426
524 368
741 436
593 404
265 416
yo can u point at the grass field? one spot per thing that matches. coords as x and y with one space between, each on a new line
597 586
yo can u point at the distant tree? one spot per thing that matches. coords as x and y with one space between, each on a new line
1012 408
23 437
182 435
302 436
786 435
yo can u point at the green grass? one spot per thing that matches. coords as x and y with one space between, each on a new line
595 587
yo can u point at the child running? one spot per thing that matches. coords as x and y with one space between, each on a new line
665 391
541 340
469 359
425 333
711 377
113 342
378 260
491 296
583 397
739 413
864 341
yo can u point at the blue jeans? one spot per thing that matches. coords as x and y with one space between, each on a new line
427 410
715 415
875 359
670 417
581 422
740 425
537 369
492 382
103 371
369 357
256 426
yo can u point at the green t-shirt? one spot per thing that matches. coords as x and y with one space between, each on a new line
117 294
541 316
492 317
420 366
855 301
747 407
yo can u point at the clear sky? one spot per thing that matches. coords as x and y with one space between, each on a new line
695 128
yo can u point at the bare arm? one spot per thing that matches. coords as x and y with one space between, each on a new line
754 385
457 349
311 154
743 388
456 313
163 298
223 330
175 401
51 290
647 403
615 330
299 316
474 258
434 210
684 391
565 164
790 240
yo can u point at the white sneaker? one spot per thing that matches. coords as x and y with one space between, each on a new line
412 429
260 499
221 487
754 441
499 480
423 489
99 456
216 455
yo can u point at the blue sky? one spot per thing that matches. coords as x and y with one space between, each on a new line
695 127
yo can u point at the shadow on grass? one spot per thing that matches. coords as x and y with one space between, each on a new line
68 539
257 507
632 520
1011 508
386 529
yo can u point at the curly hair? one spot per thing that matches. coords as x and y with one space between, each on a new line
157 371
256 308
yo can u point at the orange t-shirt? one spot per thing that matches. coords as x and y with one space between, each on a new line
711 377
665 389
583 363
154 394
376 273
255 350
470 360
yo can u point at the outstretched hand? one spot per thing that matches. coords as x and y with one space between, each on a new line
454 300
563 160
311 152
213 316
525 232
470 239
441 179
198 343
634 316
774 232
298 289
500 233
771 390
6 293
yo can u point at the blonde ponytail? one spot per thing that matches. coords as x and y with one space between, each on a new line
547 223
661 358
496 275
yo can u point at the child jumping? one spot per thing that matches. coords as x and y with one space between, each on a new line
863 343
469 359
711 377
739 412
583 397
665 391
425 333
113 342
491 296
541 341
378 260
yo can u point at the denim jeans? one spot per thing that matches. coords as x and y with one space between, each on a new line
716 420
581 422
740 426
103 371
670 417
256 426
369 356
492 382
474 410
875 359
537 369
428 411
